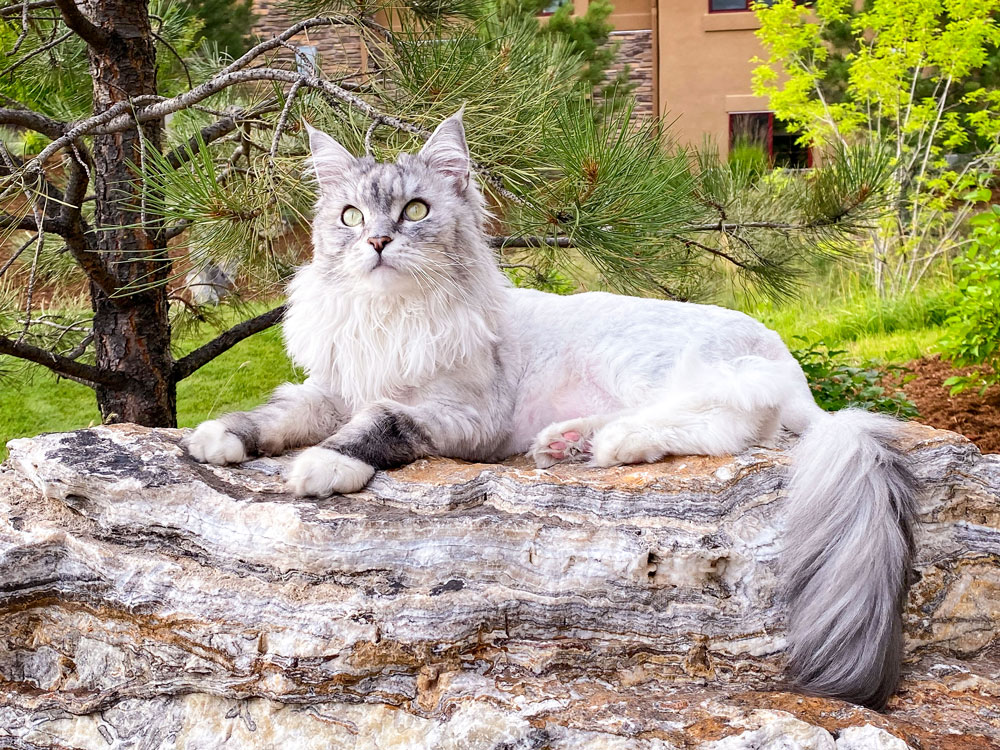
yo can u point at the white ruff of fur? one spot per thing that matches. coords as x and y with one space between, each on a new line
367 347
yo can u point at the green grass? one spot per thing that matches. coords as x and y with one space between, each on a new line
856 319
32 400
851 318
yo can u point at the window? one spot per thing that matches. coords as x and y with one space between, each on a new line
763 129
553 6
727 6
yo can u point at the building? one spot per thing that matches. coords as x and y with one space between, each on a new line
690 60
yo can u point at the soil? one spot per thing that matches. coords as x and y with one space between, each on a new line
977 417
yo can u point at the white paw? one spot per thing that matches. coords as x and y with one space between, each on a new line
321 472
625 441
212 443
562 441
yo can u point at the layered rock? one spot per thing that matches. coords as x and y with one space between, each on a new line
149 601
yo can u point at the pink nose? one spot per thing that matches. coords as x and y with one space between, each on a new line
379 243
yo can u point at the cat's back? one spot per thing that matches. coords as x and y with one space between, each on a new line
613 321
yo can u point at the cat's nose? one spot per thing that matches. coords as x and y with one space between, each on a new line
379 243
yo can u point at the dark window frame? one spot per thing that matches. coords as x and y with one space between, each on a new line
746 8
770 134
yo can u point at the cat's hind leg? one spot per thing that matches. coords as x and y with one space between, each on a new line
569 440
676 429
711 409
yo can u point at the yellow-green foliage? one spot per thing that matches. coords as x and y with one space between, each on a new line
911 80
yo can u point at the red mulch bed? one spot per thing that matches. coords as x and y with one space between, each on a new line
977 417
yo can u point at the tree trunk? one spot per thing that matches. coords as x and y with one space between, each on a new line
131 331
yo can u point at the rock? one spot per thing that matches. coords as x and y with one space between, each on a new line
211 282
150 602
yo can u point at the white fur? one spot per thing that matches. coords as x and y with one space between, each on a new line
212 443
322 472
366 347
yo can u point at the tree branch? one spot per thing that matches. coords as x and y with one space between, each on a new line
26 118
223 343
216 130
60 364
13 10
92 34
516 242
693 243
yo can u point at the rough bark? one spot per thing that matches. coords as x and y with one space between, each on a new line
152 602
131 328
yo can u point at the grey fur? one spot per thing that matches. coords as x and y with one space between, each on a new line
295 416
383 437
848 550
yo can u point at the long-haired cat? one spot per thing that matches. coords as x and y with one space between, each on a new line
415 344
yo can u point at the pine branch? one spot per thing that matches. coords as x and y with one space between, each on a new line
223 343
734 226
61 365
714 251
44 48
73 17
216 130
518 242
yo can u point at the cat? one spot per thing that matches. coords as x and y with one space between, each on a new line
415 344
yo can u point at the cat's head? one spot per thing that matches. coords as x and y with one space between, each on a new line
403 227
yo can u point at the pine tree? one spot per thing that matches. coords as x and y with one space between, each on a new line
102 187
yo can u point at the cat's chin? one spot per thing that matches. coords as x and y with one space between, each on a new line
386 279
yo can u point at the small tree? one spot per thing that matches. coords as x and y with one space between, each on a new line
578 192
908 73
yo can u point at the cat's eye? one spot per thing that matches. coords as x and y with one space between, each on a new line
415 210
352 216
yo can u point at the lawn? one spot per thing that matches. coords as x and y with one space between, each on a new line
33 401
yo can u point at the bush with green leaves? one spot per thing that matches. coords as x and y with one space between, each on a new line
837 383
973 327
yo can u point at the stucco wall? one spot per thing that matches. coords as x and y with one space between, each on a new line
704 70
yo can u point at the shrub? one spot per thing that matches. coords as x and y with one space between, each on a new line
973 327
836 383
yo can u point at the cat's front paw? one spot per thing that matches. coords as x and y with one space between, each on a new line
321 472
213 443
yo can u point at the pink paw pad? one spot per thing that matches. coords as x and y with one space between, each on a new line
571 446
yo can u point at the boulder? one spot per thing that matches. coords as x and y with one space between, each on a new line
147 601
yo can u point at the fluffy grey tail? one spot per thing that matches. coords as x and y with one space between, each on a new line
847 558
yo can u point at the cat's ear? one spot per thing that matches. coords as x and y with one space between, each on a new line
447 152
329 159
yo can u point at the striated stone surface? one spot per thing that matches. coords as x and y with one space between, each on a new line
150 602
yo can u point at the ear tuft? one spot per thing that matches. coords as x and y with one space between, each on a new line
447 152
329 159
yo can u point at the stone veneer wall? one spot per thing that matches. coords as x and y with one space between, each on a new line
341 48
338 48
635 49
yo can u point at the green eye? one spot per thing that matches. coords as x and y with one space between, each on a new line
352 216
415 210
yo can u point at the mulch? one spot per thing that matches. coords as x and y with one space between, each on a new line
977 417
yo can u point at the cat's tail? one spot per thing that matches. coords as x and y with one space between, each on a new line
847 557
